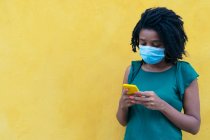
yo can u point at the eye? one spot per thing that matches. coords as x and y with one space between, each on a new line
158 45
142 43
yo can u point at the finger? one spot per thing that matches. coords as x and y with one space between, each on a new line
130 103
125 91
124 97
128 98
131 97
150 103
138 94
143 99
139 102
147 93
148 106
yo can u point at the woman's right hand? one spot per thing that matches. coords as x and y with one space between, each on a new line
126 100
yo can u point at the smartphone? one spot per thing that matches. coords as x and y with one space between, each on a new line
131 88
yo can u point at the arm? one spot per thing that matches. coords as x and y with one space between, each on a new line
190 120
124 102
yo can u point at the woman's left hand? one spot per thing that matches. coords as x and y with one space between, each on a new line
150 100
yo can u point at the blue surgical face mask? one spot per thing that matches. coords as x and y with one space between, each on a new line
151 55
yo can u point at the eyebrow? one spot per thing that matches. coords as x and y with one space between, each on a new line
155 40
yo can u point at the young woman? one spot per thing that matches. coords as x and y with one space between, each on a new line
167 85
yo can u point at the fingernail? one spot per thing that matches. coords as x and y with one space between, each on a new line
131 97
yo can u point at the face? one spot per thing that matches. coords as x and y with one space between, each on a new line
149 37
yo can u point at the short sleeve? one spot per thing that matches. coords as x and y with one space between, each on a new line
185 75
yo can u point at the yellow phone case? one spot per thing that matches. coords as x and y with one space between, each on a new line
131 88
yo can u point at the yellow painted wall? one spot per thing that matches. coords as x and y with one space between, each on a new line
62 64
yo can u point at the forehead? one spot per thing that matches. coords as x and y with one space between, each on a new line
148 34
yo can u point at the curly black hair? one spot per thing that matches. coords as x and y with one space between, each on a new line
169 27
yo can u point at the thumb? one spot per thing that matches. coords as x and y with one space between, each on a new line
125 90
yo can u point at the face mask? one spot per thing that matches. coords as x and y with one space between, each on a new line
151 55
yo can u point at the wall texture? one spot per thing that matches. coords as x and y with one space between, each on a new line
62 64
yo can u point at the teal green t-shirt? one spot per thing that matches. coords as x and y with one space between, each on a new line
169 85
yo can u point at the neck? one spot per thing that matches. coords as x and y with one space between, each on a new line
157 67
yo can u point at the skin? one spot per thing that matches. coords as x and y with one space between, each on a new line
188 121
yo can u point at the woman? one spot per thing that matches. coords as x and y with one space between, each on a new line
167 85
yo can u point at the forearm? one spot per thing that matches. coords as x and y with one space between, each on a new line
122 115
185 122
122 112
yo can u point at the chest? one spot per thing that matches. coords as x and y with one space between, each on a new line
163 84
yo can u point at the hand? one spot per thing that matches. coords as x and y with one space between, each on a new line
150 100
126 100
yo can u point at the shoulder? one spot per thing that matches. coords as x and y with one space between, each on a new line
136 62
183 63
126 75
131 70
186 74
127 71
184 66
135 65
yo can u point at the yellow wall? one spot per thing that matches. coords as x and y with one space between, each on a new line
62 64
